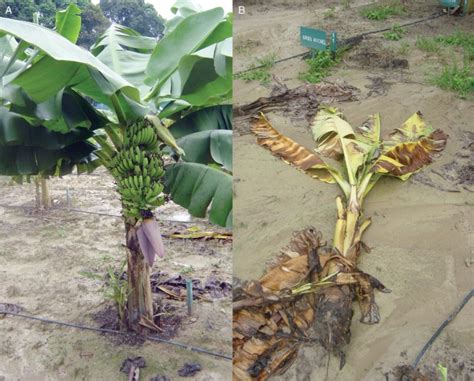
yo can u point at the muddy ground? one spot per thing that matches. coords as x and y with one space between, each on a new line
422 232
52 263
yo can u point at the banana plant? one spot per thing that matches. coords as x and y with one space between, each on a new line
354 159
122 103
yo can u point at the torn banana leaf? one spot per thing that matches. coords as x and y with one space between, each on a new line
405 159
290 151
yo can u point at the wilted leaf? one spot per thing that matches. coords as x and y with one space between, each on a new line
370 130
404 159
335 138
413 129
290 151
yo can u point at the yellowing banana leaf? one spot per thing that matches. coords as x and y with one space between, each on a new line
404 159
290 151
370 130
335 138
413 129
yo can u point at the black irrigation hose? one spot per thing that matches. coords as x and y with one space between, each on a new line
91 212
112 331
442 326
347 41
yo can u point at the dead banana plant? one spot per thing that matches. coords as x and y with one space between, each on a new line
306 297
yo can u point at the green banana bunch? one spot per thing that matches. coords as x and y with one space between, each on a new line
137 169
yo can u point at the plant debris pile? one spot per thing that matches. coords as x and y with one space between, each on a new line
299 103
189 369
176 286
276 315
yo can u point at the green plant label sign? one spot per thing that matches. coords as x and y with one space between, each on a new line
317 39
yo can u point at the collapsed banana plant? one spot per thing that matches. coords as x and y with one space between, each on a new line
313 285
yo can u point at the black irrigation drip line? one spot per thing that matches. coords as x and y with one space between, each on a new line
91 212
112 331
466 299
347 41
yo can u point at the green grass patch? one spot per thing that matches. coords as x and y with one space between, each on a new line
459 39
319 66
394 34
456 78
262 74
428 45
383 12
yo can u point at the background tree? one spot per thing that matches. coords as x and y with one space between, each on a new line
134 14
94 23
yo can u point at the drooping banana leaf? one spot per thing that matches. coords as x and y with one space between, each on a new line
210 118
15 130
208 147
66 65
197 187
23 160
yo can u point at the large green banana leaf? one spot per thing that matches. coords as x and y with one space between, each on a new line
126 52
198 69
208 147
64 64
210 118
196 187
68 22
28 150
23 160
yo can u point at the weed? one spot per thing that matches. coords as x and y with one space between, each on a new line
90 275
187 270
403 49
394 34
117 288
458 39
261 74
443 371
319 66
268 61
330 13
455 78
346 4
382 12
428 45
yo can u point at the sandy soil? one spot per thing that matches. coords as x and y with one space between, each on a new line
53 265
422 231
